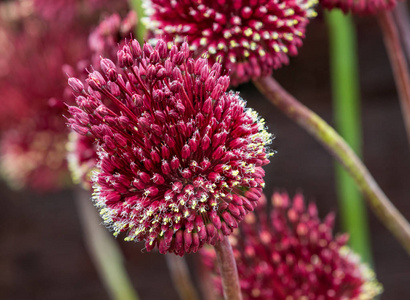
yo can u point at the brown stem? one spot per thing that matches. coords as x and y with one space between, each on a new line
229 272
332 141
180 277
398 62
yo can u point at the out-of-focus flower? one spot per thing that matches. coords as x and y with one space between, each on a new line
103 41
359 6
180 159
292 254
68 10
32 91
109 34
252 37
32 155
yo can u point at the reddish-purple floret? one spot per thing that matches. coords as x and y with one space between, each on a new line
251 37
180 159
292 254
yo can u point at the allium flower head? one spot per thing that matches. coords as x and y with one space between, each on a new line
292 254
359 6
180 159
252 37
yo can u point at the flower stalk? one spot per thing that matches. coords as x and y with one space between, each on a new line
178 268
335 144
104 251
229 273
346 110
398 62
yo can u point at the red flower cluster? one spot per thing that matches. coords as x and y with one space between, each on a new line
180 159
291 254
359 6
34 133
252 37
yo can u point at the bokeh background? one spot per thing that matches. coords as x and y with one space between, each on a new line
42 254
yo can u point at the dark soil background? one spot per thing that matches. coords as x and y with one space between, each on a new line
42 255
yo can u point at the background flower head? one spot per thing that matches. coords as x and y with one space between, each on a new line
33 133
292 254
180 159
359 6
251 37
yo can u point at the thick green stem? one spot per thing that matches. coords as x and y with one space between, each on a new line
178 268
332 141
229 272
346 109
398 63
140 30
104 250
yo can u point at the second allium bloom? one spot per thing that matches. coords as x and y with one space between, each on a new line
252 37
180 159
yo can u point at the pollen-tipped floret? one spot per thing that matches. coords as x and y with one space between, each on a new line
292 254
359 6
252 37
180 159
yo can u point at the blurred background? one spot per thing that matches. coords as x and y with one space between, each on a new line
42 254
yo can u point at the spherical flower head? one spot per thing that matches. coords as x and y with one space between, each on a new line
252 38
82 158
292 254
363 7
180 159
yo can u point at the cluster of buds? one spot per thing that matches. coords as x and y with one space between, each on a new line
251 37
292 254
180 159
359 6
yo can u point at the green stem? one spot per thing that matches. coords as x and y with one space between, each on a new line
229 272
178 268
332 141
140 30
398 62
104 250
346 107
